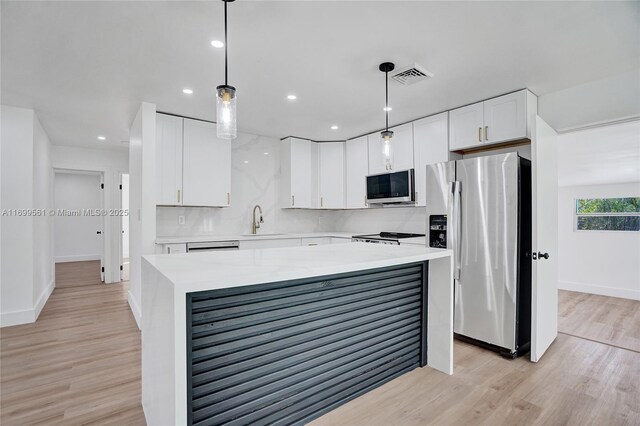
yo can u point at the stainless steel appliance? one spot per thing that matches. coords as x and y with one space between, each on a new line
391 188
213 246
481 208
384 237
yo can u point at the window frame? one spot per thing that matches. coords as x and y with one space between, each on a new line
577 215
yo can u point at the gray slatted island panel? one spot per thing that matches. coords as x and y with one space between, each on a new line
288 352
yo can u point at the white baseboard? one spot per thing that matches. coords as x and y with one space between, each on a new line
7 319
624 293
135 309
77 258
44 296
27 316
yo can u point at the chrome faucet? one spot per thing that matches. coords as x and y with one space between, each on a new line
256 224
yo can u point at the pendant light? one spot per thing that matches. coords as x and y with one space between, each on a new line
386 134
226 96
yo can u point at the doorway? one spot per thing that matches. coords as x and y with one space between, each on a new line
78 225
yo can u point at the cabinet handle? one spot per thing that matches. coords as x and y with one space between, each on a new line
479 134
178 195
228 198
416 197
293 200
168 250
486 133
321 202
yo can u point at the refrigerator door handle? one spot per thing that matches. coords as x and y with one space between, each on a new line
454 226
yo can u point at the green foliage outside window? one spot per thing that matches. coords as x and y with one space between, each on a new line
608 214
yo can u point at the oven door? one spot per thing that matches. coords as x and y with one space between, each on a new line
391 188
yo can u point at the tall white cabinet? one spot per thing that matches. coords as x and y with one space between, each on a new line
206 173
298 174
431 145
401 150
168 159
331 174
193 166
356 170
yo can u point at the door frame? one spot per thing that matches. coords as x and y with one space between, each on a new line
103 201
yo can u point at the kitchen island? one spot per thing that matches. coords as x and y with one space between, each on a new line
287 334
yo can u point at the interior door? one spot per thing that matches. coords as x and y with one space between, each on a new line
544 272
206 170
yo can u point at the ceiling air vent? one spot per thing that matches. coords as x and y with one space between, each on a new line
411 74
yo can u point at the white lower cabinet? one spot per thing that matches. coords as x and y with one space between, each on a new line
171 248
260 244
315 241
356 171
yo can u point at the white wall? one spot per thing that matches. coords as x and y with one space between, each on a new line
76 237
255 182
111 164
142 218
26 264
599 262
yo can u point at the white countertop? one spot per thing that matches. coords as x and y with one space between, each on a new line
247 237
215 270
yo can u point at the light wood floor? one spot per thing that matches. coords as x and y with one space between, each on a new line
80 364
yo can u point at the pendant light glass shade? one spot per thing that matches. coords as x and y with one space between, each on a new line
226 112
387 151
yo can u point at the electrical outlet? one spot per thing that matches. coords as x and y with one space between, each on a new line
180 220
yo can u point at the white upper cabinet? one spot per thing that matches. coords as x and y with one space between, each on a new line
299 173
465 126
505 118
430 144
206 167
401 150
357 169
168 160
332 174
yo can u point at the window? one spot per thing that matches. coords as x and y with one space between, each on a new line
608 214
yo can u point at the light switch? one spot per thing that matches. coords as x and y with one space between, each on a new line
180 220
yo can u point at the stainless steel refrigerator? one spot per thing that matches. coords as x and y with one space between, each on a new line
481 208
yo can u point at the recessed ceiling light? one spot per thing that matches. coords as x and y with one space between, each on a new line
334 127
387 109
217 44
187 91
292 97
246 161
266 153
102 138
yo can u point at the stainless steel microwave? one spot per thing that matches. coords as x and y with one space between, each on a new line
391 188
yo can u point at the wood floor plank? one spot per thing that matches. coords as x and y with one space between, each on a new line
80 364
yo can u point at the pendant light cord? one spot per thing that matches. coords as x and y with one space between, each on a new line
386 99
226 46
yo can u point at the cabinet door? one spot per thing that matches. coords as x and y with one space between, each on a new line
174 248
206 167
431 145
331 176
402 147
357 169
299 174
465 127
376 157
168 160
505 118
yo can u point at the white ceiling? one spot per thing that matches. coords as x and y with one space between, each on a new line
85 66
602 155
